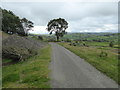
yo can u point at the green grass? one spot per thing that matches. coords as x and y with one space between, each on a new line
32 73
6 60
92 36
107 65
97 43
4 35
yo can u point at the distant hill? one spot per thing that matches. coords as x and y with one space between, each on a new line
92 36
100 37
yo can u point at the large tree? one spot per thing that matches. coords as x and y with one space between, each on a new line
13 24
58 26
10 22
27 25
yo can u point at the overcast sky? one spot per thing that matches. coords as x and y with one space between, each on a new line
81 16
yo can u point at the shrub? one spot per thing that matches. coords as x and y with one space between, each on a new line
72 44
76 42
84 44
111 44
40 37
103 54
68 40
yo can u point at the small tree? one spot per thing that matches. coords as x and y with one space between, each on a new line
40 37
58 26
111 44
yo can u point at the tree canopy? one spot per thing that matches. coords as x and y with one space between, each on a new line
27 25
13 24
58 26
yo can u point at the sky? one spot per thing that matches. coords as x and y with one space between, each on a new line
81 16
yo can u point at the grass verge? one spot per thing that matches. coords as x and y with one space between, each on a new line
107 65
32 73
6 60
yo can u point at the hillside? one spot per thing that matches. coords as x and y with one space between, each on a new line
98 37
92 36
4 35
19 48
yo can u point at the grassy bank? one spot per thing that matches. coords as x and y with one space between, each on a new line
107 64
32 73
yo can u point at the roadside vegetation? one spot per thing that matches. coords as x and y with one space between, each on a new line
100 55
32 73
25 58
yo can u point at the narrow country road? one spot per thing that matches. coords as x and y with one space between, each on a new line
70 71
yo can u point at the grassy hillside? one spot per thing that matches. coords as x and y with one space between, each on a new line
99 37
4 35
19 48
32 73
25 62
93 36
104 59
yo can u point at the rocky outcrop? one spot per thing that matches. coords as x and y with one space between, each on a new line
20 48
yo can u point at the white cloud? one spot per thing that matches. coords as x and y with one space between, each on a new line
81 16
39 30
60 0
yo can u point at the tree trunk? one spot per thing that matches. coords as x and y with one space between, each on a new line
57 38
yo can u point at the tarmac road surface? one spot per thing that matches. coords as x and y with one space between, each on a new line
70 71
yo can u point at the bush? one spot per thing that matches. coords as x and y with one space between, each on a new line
84 44
40 37
68 40
111 44
103 54
72 44
76 42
